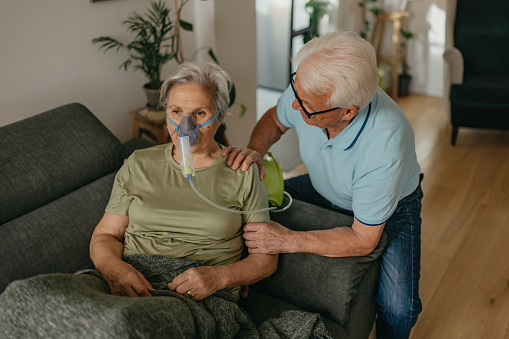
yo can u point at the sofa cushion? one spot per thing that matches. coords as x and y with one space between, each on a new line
51 154
485 95
312 282
54 237
482 91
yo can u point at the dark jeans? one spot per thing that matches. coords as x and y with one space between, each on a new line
398 289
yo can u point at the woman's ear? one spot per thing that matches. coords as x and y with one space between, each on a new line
350 113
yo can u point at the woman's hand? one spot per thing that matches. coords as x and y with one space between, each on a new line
198 282
123 279
245 157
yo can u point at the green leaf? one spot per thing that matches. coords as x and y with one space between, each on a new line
213 56
186 25
375 10
243 110
406 34
232 93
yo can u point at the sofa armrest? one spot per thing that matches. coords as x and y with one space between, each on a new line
454 61
316 283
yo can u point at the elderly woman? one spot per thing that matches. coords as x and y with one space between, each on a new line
158 238
153 209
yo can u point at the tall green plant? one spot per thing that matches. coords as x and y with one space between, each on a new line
402 47
157 40
316 9
368 6
155 43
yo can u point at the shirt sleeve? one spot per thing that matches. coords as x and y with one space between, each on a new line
119 200
377 193
284 111
255 197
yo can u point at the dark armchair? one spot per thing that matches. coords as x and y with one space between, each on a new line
477 64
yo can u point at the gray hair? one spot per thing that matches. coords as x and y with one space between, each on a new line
209 76
341 63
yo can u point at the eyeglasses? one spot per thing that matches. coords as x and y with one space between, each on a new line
292 83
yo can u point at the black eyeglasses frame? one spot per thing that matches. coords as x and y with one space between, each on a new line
309 115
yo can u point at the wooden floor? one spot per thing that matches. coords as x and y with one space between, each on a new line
465 230
464 283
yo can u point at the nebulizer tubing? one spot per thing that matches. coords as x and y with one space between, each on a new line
287 206
187 168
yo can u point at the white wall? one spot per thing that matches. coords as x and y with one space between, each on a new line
427 22
235 27
47 59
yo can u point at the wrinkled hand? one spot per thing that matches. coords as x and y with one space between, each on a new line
265 238
200 281
125 280
245 157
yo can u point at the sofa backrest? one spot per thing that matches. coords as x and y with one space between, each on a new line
56 174
51 154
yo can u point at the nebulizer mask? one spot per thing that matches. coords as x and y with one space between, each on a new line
188 134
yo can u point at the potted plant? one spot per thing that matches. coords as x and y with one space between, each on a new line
367 6
404 78
156 41
316 10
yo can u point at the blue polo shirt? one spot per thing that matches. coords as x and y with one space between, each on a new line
366 169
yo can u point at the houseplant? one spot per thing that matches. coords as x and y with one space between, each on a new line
367 6
156 41
316 10
404 77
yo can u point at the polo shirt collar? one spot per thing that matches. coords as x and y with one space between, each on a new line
348 137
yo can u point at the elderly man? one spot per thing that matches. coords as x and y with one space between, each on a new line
359 150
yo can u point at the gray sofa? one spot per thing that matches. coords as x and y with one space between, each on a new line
56 173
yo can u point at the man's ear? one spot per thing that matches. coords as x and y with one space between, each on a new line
351 113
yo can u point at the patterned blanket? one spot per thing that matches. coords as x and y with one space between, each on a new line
80 306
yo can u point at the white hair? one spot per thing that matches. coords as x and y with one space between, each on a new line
207 75
340 63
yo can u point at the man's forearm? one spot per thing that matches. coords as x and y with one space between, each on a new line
336 242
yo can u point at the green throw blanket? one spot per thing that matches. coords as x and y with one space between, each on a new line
80 306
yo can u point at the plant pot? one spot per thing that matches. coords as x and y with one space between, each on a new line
152 96
404 84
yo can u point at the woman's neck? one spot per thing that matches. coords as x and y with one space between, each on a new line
202 156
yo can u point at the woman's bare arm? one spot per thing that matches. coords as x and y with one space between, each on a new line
106 249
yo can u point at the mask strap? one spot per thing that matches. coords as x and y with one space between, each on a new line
174 124
210 120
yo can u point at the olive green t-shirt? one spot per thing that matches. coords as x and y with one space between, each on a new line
167 218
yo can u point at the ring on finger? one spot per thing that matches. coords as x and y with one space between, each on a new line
190 294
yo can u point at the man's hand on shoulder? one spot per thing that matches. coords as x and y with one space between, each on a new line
241 156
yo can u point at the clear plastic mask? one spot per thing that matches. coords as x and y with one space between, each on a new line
188 127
